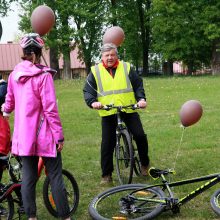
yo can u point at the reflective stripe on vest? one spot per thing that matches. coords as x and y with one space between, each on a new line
117 90
103 93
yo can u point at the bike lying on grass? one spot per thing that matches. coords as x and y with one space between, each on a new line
126 154
10 192
142 201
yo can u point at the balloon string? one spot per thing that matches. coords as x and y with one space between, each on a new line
178 151
93 87
44 59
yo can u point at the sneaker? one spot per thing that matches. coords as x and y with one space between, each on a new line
144 170
106 180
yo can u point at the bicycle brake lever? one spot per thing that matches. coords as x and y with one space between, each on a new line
135 106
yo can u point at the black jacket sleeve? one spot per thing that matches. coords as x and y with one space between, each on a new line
90 90
3 91
137 84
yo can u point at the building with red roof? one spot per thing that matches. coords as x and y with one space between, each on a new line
10 55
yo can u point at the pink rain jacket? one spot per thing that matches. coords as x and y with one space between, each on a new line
37 125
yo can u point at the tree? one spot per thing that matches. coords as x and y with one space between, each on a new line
137 30
5 6
178 32
212 31
87 22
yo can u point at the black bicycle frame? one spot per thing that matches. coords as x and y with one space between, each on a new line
120 125
214 179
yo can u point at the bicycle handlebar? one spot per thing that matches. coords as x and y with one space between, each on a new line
111 106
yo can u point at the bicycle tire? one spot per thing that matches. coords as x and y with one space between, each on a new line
107 204
124 158
72 193
215 202
8 206
137 163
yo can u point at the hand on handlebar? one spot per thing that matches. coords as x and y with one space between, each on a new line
96 105
142 103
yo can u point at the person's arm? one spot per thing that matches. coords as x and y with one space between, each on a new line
50 109
90 91
137 84
9 104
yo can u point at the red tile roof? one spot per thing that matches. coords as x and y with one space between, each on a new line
10 55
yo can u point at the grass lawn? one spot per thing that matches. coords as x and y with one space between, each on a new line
199 152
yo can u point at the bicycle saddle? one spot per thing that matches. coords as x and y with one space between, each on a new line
156 173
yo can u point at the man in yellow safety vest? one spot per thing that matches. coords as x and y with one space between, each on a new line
113 82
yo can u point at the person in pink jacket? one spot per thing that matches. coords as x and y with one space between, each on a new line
37 127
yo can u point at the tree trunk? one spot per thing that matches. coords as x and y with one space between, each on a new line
114 6
190 66
66 67
168 68
216 57
54 62
145 34
88 66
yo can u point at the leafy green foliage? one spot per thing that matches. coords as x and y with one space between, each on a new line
169 30
5 6
178 31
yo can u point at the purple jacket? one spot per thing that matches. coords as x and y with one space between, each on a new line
37 125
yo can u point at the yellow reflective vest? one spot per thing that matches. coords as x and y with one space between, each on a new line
117 90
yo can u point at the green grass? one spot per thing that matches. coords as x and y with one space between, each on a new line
199 152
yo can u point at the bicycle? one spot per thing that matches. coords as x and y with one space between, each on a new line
126 155
142 201
10 192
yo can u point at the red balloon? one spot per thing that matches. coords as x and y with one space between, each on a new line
114 35
190 112
42 19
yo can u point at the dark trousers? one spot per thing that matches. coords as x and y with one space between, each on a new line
29 180
109 123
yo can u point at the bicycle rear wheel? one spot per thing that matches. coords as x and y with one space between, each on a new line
72 191
7 208
144 204
137 163
124 158
215 202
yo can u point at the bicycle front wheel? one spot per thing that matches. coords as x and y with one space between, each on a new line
72 191
115 204
7 208
124 158
215 202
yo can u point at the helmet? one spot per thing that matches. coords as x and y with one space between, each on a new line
32 40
